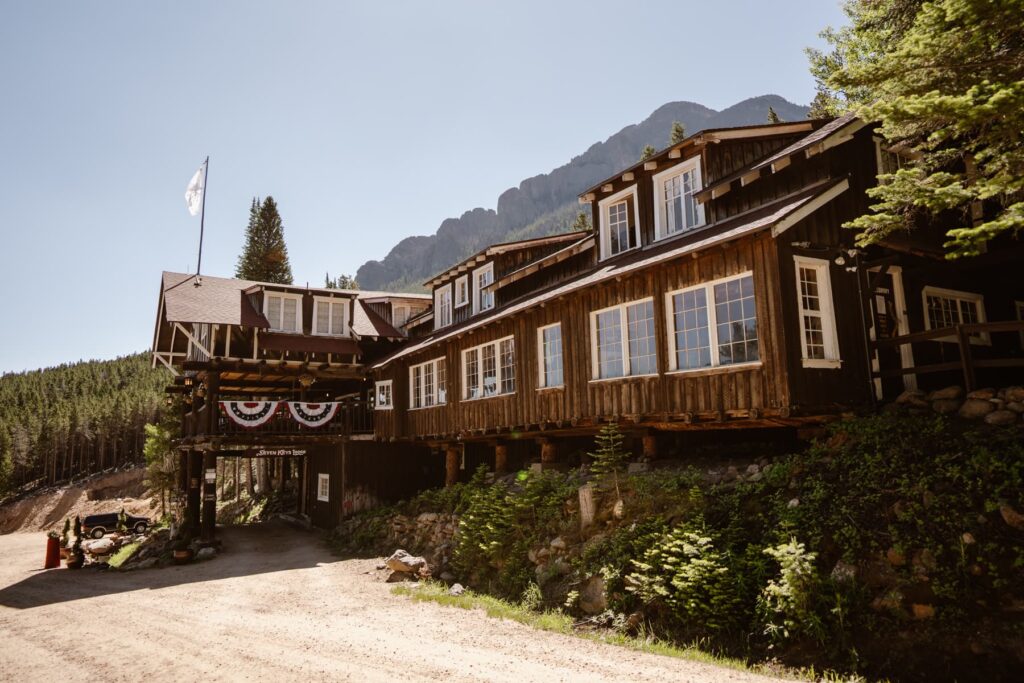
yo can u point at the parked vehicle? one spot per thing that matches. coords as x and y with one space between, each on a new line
99 525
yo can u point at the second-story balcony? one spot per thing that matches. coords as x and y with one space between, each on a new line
353 417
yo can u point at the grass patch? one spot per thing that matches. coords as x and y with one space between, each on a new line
123 554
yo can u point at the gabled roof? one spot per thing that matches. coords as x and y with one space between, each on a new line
217 300
367 323
778 215
501 248
577 247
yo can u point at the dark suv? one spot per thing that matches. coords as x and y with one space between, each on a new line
98 525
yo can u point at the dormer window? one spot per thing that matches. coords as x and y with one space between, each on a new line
442 307
483 276
462 291
283 311
620 223
330 317
676 208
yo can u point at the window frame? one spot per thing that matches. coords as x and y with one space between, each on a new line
830 338
595 365
297 298
439 296
378 385
982 338
659 179
716 364
604 239
499 378
478 294
323 480
329 300
461 285
436 397
542 380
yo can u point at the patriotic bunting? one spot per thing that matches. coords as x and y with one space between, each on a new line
312 414
249 414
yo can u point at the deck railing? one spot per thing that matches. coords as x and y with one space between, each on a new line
967 363
353 417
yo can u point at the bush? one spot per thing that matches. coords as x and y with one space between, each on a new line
788 601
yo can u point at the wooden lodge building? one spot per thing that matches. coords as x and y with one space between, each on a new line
717 293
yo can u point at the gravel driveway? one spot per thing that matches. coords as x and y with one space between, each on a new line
277 606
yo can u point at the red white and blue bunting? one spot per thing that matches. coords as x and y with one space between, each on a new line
312 414
250 414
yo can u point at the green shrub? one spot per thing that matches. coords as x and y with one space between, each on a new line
788 601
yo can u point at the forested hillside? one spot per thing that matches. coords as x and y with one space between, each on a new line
546 204
75 419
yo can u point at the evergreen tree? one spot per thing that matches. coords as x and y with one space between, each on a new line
264 257
678 133
773 117
610 457
945 79
582 222
647 152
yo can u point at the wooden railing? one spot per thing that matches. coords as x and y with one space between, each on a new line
353 417
967 364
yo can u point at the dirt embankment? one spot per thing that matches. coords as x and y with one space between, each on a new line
45 509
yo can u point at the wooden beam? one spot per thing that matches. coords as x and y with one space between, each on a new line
607 188
650 165
627 177
675 154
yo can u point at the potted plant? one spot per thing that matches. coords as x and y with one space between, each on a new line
182 551
76 558
64 540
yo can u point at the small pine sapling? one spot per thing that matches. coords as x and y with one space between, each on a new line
610 457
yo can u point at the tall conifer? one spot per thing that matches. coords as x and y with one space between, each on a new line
265 256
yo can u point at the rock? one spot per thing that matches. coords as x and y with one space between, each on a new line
922 611
1012 517
713 477
397 577
974 408
756 476
558 543
793 502
103 546
985 394
968 538
456 589
1001 418
147 563
912 397
1015 406
427 518
401 561
731 473
206 553
753 468
895 557
946 406
843 572
924 559
947 393
1013 394
592 597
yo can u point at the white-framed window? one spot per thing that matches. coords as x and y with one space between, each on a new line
886 160
283 311
549 356
622 341
461 291
323 487
620 222
384 398
950 307
483 276
713 324
330 316
676 209
489 369
819 343
442 307
429 384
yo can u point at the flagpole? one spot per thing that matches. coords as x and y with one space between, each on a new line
202 217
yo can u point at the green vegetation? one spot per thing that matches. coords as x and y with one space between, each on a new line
678 133
123 554
340 282
75 419
264 257
946 81
647 152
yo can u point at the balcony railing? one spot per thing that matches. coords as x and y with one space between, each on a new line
353 417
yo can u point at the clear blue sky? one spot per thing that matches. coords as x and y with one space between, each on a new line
367 122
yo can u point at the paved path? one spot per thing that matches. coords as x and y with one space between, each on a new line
277 606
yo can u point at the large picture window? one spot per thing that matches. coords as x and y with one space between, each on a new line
713 324
330 316
283 311
818 341
622 341
549 345
619 223
676 208
489 369
950 307
429 384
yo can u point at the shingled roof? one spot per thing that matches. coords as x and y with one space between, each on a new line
217 300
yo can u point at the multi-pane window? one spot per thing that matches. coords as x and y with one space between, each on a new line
623 341
549 339
443 307
817 318
949 308
330 316
428 384
483 300
462 291
323 487
713 324
383 400
489 369
677 208
618 223
283 312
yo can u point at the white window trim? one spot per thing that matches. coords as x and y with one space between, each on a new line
982 339
541 375
439 294
437 395
830 339
377 405
317 300
322 480
487 267
298 310
659 191
462 280
595 365
670 329
480 370
605 237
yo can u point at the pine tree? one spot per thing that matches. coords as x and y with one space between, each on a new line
582 222
264 257
773 117
610 457
647 152
678 133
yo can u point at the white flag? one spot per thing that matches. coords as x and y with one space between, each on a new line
194 192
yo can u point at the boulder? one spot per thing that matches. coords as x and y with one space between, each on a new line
397 577
945 394
592 597
456 589
401 561
1015 406
1012 517
147 563
912 397
985 394
974 408
946 406
558 543
103 546
1002 418
753 468
922 611
206 553
1013 394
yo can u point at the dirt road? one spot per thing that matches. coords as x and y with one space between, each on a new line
277 606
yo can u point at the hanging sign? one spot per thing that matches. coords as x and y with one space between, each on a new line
249 414
276 452
312 414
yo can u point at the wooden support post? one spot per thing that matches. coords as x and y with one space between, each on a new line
966 360
451 465
500 458
650 445
548 452
195 476
209 464
182 472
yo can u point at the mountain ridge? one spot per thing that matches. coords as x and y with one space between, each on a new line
546 203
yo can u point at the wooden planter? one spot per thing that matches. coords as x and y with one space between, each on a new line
182 556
